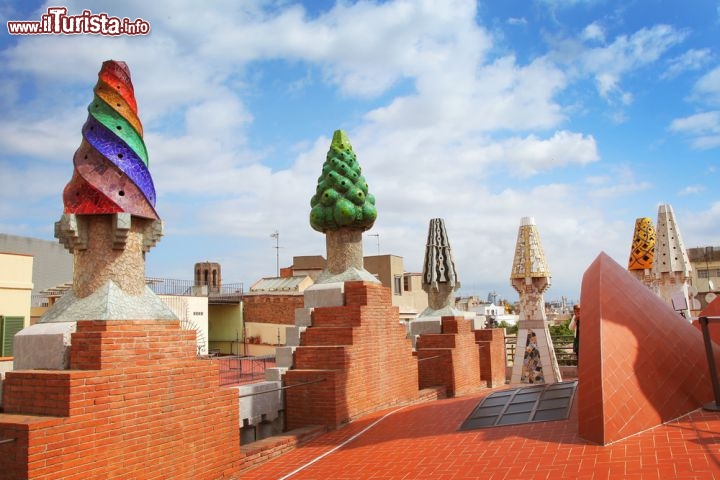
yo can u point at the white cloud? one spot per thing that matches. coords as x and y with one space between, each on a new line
610 62
620 183
627 53
58 130
692 190
594 32
500 95
556 4
619 190
517 21
702 128
707 88
468 138
700 225
529 156
693 59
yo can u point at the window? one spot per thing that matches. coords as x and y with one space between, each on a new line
406 283
9 326
702 273
397 285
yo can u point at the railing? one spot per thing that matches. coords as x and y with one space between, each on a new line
229 292
562 345
39 300
280 389
236 369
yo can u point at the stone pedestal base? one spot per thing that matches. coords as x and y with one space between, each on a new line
440 297
43 346
46 345
423 325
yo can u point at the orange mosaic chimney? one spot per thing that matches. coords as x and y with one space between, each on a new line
642 251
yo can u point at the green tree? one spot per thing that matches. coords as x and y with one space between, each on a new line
560 330
509 329
341 198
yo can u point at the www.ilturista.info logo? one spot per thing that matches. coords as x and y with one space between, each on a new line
57 21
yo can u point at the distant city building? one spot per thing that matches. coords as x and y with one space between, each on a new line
208 274
310 265
15 291
705 276
492 297
270 303
52 264
407 292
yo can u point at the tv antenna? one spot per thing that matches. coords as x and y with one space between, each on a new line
276 236
377 236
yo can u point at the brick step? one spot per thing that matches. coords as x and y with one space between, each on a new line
336 316
364 293
15 428
328 336
321 357
436 340
257 453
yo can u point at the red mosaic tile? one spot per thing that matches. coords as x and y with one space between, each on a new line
640 363
423 441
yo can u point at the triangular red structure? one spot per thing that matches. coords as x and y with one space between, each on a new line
641 364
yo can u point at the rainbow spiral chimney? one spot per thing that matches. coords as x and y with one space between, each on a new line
111 166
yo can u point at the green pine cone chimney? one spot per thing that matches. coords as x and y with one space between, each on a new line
341 198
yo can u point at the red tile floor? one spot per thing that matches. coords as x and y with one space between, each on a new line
423 442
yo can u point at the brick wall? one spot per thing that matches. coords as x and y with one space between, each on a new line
147 409
279 309
491 346
450 358
359 356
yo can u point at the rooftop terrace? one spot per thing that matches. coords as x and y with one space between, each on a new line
425 441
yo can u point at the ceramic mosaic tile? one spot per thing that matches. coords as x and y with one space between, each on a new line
111 166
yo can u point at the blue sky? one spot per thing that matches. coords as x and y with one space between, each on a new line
583 114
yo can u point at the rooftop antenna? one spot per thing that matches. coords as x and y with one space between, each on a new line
276 236
377 236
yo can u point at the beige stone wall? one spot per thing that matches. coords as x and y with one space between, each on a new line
385 267
16 285
413 301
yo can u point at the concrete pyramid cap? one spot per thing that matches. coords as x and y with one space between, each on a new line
350 275
108 302
446 311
